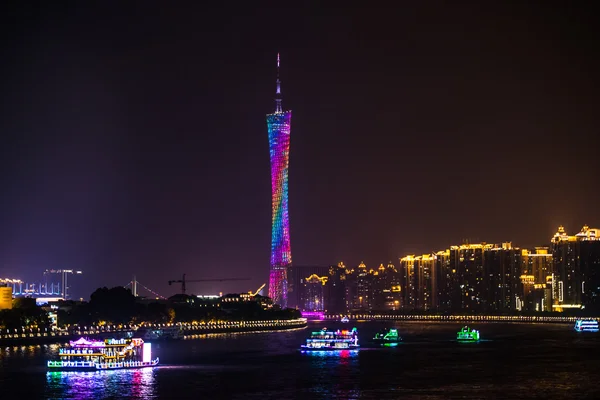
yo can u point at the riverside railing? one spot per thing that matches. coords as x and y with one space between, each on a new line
33 333
458 318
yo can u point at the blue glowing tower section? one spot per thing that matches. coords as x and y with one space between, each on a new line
279 125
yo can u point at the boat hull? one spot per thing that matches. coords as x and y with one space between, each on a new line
88 366
583 325
586 330
331 349
385 341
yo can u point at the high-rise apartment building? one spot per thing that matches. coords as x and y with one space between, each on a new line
537 263
419 278
408 278
312 293
576 269
503 270
446 278
297 276
468 261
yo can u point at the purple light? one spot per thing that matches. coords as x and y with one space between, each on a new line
82 342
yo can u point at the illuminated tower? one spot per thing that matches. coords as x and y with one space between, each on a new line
279 124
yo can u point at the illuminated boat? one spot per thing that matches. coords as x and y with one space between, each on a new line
586 325
467 334
345 319
325 340
387 337
90 355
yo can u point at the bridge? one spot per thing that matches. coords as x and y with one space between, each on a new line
134 283
43 289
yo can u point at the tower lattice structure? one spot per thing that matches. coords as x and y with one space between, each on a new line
279 126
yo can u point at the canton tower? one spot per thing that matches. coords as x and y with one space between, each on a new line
279 124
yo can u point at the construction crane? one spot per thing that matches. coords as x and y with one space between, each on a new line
257 290
183 281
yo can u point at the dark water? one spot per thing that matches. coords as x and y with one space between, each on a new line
514 361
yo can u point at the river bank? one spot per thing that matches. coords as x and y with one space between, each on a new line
33 338
458 318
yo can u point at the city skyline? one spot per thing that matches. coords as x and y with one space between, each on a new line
561 234
140 150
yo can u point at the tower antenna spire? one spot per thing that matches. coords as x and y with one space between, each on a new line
278 108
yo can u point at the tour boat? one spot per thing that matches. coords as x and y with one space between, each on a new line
467 334
325 340
109 354
586 325
345 319
387 337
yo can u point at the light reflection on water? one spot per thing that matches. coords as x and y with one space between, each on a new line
335 373
342 354
513 361
132 384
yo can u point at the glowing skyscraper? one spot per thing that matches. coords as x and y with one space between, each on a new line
279 124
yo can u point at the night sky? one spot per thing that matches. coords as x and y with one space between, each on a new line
134 138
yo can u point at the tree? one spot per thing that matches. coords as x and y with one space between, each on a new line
116 305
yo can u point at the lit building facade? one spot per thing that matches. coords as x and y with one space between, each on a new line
388 290
419 282
296 277
537 263
426 282
503 284
279 126
362 289
409 282
446 277
312 294
576 269
468 262
5 297
335 294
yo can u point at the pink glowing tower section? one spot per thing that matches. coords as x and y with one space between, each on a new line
279 126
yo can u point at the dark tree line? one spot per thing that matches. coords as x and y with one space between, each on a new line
25 313
114 306
118 306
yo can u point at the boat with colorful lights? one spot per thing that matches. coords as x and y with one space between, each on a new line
467 334
586 325
92 355
387 337
325 340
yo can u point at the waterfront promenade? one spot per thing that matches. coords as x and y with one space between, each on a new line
36 336
456 318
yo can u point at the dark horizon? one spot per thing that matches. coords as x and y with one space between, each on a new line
135 140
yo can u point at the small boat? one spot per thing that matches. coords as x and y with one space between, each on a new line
325 340
92 355
467 334
387 337
586 325
345 320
